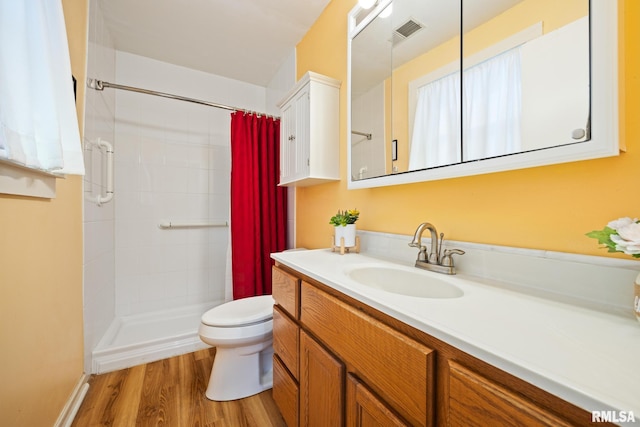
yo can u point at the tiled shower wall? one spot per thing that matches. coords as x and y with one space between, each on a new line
99 222
172 164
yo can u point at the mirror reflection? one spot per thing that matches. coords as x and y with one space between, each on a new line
524 84
371 58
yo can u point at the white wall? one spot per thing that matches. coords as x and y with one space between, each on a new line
557 95
368 117
99 222
283 81
172 164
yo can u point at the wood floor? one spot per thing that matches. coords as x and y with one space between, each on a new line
170 393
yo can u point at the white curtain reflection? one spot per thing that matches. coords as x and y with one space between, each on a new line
436 131
491 114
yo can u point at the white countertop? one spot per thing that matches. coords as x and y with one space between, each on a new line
588 357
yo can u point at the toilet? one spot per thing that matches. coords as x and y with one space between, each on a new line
242 332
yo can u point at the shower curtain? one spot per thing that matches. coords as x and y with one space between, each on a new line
258 205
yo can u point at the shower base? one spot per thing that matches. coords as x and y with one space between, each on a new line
143 338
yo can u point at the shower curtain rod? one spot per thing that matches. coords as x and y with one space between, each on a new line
100 85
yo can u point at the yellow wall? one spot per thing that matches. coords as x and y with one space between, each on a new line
41 284
547 207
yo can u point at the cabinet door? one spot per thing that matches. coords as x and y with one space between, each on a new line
285 289
288 143
302 134
365 409
285 393
285 340
321 379
398 368
294 138
477 401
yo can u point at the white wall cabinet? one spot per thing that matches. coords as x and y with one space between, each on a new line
309 133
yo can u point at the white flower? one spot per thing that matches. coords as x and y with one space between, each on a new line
628 238
630 232
621 222
620 235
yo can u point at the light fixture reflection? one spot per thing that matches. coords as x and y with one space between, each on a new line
387 11
366 4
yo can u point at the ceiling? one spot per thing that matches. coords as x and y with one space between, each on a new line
246 40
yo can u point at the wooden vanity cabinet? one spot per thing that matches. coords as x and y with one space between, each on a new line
285 289
349 365
356 366
396 368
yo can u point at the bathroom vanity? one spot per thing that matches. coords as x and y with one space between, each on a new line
349 354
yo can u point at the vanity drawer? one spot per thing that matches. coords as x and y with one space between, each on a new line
474 399
393 365
285 289
285 392
285 340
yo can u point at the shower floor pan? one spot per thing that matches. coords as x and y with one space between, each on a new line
143 338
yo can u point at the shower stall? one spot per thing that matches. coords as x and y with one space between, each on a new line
155 255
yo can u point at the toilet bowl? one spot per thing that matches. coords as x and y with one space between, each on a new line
242 332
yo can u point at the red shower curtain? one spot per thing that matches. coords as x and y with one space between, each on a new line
258 205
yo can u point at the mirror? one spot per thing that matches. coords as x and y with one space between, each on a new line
534 78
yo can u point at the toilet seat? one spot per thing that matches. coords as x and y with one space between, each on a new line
241 312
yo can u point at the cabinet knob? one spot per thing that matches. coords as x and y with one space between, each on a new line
292 137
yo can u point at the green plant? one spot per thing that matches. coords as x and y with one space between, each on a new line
621 235
345 217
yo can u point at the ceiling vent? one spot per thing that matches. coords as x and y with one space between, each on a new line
406 30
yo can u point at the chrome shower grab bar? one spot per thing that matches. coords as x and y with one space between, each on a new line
100 199
185 224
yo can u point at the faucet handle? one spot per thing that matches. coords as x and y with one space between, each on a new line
422 255
447 259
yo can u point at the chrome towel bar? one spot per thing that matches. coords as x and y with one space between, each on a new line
185 224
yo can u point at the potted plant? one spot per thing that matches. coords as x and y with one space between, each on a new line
344 223
623 235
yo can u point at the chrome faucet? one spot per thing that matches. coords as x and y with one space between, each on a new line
417 243
435 260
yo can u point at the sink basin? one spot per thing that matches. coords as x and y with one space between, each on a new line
405 282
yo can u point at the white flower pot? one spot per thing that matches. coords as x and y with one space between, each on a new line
348 232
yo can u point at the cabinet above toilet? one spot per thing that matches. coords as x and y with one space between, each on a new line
309 132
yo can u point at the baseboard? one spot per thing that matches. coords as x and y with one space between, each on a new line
70 409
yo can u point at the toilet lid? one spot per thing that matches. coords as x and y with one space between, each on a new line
240 312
